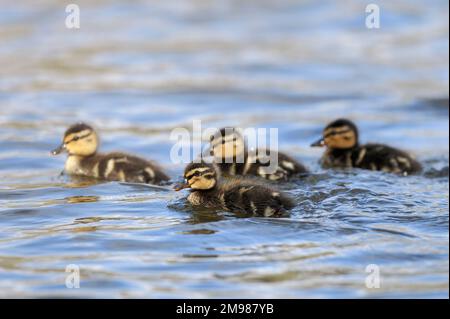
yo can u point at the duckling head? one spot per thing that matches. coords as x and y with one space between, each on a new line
80 139
199 176
339 134
227 143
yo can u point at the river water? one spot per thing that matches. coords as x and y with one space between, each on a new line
137 70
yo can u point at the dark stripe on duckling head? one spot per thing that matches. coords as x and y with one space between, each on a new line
197 169
74 137
341 123
336 131
201 171
340 134
225 135
76 132
209 175
76 128
200 176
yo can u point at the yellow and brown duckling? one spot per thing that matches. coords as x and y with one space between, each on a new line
232 156
236 195
344 151
81 143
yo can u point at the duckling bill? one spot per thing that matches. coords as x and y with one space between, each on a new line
81 143
236 195
230 153
344 151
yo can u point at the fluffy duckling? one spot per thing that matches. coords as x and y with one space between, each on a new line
230 153
344 151
238 196
81 143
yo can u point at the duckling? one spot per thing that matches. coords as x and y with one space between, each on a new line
81 143
235 195
344 151
231 154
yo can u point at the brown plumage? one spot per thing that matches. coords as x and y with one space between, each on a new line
233 158
81 143
344 151
235 195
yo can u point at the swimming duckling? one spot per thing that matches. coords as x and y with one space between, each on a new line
235 195
81 143
231 154
343 151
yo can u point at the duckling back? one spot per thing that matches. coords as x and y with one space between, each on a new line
286 167
340 137
385 158
255 199
232 155
122 167
81 142
258 166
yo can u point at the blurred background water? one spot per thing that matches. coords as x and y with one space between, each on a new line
138 69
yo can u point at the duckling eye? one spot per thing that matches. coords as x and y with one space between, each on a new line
193 175
330 134
76 138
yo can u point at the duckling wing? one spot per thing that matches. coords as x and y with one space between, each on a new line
257 200
385 158
129 168
291 165
285 167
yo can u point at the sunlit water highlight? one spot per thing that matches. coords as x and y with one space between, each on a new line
138 70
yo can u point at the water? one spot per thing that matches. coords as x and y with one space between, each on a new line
138 70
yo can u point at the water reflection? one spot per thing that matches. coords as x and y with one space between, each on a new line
284 64
201 231
202 216
81 182
82 199
88 220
